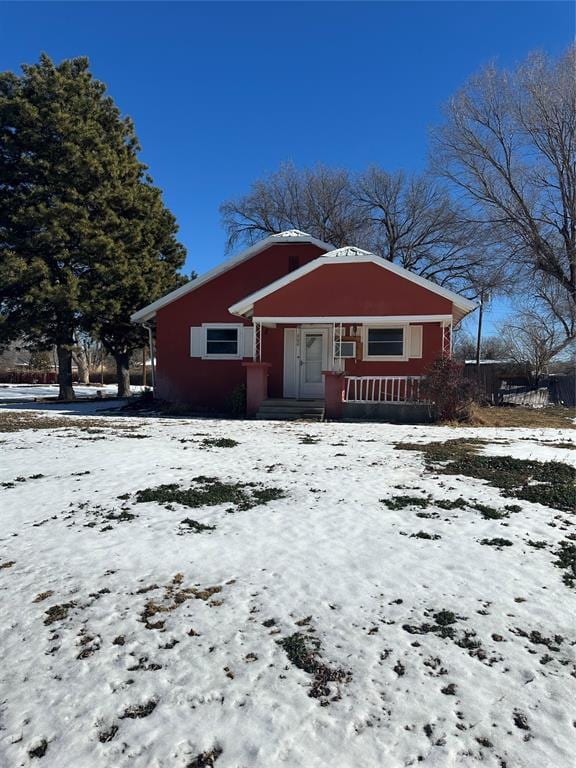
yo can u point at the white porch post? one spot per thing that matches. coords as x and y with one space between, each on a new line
447 338
257 342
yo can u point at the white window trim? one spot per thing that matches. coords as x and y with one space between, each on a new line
382 358
239 341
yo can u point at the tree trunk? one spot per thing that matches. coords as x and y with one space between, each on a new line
123 374
81 360
66 390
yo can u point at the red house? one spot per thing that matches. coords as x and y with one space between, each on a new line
305 328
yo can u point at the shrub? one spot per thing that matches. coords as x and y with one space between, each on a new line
236 404
452 394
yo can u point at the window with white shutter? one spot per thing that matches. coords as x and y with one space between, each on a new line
221 341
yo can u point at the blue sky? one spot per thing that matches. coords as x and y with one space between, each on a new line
222 93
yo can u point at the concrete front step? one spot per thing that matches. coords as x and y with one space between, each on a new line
289 416
312 410
293 403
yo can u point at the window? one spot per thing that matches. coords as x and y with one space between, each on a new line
384 342
345 349
222 342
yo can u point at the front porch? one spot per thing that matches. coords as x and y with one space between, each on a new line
341 367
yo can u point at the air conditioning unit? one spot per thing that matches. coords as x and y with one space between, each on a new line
345 349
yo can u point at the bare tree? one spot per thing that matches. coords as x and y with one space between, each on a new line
533 339
409 220
80 357
414 223
318 201
88 354
509 145
493 347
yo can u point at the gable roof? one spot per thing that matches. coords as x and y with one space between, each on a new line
351 255
282 238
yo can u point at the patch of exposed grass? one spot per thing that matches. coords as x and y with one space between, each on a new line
194 526
491 513
445 626
99 514
537 638
401 502
124 516
210 491
444 618
219 442
20 479
304 653
520 720
39 749
536 543
425 535
309 440
107 734
569 446
206 759
566 554
497 542
517 416
449 450
458 503
43 596
58 613
137 711
16 421
174 596
551 483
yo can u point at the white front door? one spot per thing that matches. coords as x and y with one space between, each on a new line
313 360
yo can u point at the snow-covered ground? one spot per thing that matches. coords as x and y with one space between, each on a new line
31 391
295 633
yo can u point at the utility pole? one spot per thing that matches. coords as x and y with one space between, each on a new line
144 365
479 336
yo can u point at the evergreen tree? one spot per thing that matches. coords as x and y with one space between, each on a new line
74 229
141 267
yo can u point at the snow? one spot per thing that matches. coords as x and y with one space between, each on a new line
292 234
329 550
31 391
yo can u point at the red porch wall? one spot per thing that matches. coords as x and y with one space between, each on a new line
209 383
351 290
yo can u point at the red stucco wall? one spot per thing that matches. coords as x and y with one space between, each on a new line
351 289
209 383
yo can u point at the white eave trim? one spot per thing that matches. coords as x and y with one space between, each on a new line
283 238
350 256
358 319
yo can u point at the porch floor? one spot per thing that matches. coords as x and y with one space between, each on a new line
291 409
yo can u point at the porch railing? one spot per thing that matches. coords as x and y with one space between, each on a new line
382 389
